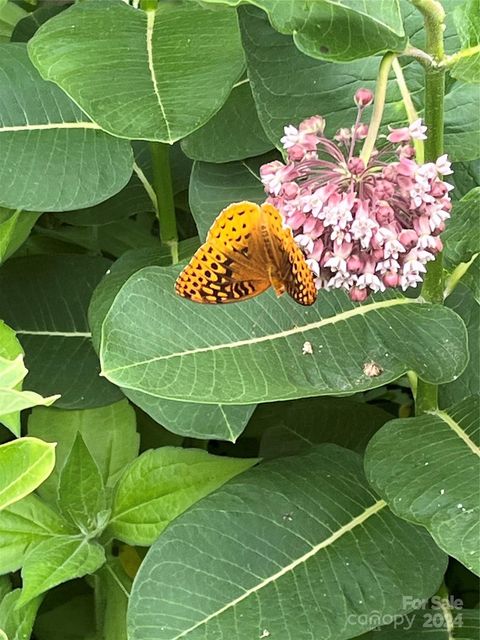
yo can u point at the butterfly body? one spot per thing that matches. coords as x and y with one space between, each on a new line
247 250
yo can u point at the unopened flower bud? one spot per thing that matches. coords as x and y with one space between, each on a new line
356 166
363 97
358 295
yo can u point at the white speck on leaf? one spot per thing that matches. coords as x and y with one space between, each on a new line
442 491
307 348
265 633
372 369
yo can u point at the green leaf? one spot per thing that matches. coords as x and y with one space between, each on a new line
293 427
15 227
163 483
215 186
276 555
108 432
10 15
12 399
462 236
427 468
16 621
56 560
81 495
24 523
439 623
156 95
253 351
222 141
24 464
464 303
194 420
75 616
465 64
45 299
465 177
462 123
336 30
87 165
10 348
29 25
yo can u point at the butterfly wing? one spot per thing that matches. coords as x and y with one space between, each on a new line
228 266
292 271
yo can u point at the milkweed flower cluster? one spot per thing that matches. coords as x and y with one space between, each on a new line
362 226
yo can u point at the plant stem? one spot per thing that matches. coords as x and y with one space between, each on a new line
412 114
162 185
378 105
432 290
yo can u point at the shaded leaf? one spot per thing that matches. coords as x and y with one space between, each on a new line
24 464
163 483
233 133
273 540
149 96
45 299
15 227
462 123
259 342
87 165
462 236
427 468
293 427
10 15
465 177
17 621
465 64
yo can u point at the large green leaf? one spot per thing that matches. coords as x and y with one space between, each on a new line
288 86
45 299
465 64
465 177
25 523
233 133
109 433
10 15
158 343
336 29
156 95
215 186
462 236
291 549
427 470
193 420
24 465
70 162
464 303
161 484
293 427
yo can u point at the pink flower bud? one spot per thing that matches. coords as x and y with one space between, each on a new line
296 152
391 279
315 124
356 166
290 190
408 238
363 97
355 264
358 295
361 131
399 135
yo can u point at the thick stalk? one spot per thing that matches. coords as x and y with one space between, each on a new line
433 285
162 185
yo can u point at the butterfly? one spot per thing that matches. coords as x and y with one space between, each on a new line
247 250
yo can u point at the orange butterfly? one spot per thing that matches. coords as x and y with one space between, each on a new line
247 251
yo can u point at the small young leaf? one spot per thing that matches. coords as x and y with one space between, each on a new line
161 484
81 495
24 464
16 621
56 560
24 523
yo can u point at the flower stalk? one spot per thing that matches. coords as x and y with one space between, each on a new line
433 286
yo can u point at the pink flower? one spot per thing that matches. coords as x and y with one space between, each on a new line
362 227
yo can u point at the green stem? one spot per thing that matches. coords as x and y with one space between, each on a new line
149 5
162 185
378 105
412 114
433 286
